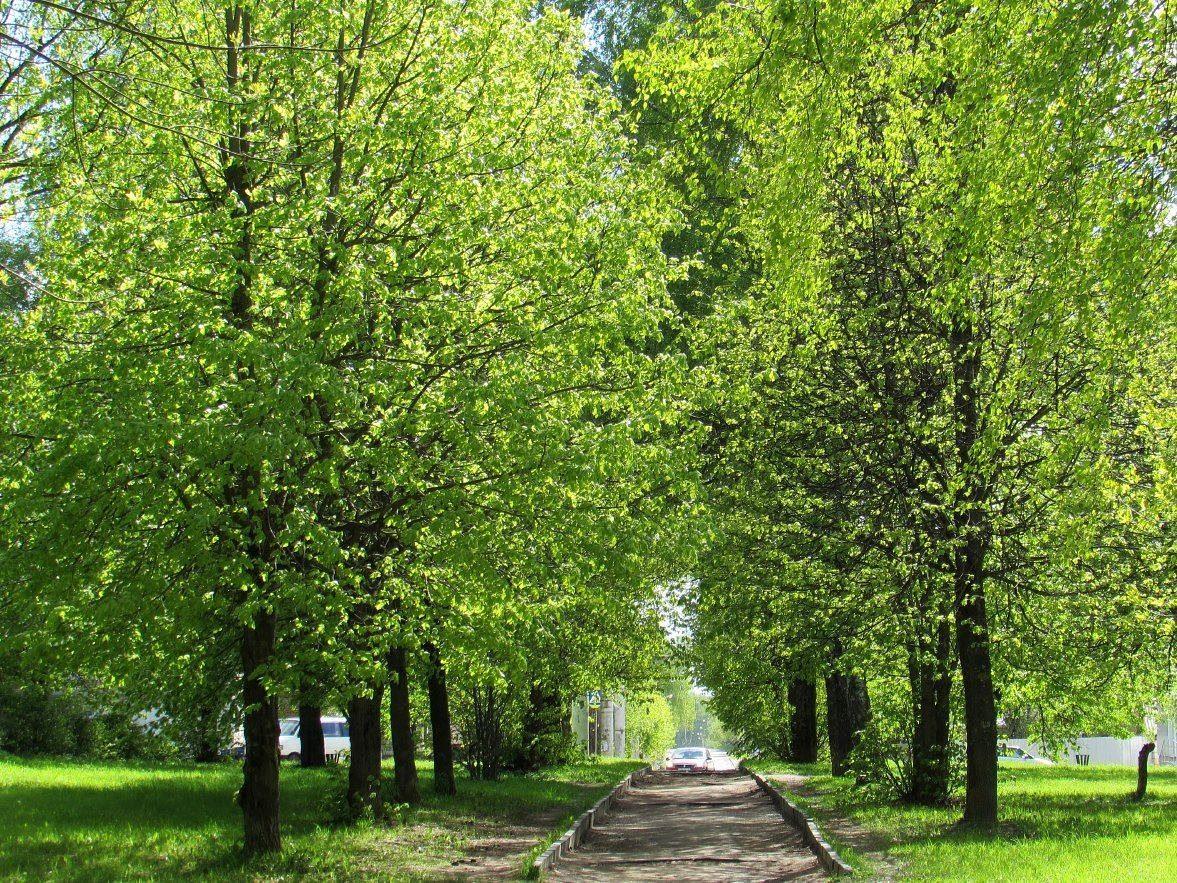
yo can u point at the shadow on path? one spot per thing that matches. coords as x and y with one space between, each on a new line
716 827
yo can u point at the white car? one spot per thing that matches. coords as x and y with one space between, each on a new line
1013 754
690 760
336 738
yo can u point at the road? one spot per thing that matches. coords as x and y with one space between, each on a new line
714 827
724 763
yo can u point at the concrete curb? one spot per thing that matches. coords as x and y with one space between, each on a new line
810 833
576 835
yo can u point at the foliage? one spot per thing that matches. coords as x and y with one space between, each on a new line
923 397
38 719
881 762
42 714
347 340
331 334
650 725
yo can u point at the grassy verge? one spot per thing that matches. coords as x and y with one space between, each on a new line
1060 824
77 820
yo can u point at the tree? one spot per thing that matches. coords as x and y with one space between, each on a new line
650 724
940 230
366 271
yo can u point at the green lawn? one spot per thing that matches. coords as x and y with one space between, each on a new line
77 820
1063 824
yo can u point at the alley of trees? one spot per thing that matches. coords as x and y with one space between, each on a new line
424 359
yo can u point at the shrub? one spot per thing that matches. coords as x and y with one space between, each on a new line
38 719
882 760
72 717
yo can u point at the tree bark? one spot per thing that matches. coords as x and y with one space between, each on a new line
803 726
400 722
970 538
931 686
847 712
206 743
440 725
980 705
258 797
364 794
311 750
1142 769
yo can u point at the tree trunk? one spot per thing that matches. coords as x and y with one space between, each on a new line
311 750
400 721
439 723
258 797
970 537
803 726
1142 769
206 743
542 727
931 686
847 712
363 775
980 706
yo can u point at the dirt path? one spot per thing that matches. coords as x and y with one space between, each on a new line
496 852
675 827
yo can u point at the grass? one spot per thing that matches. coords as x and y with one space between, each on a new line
79 820
1059 824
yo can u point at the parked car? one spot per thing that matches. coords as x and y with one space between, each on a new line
1013 754
690 760
336 738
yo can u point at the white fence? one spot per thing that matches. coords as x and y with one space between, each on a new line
1097 749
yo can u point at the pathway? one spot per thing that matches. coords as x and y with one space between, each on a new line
716 827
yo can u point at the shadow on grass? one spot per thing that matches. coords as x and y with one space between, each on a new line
116 821
1059 804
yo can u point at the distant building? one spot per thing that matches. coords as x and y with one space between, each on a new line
1166 752
599 723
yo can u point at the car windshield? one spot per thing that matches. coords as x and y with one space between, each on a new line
289 728
694 754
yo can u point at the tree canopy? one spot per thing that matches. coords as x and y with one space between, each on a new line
365 352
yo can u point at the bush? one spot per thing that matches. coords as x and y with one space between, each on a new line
121 736
882 760
37 719
72 718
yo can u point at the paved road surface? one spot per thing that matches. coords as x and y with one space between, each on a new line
714 827
724 763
